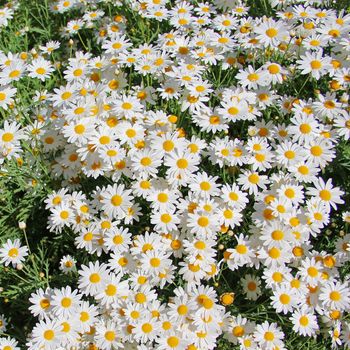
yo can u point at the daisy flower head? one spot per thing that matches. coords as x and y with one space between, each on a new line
11 134
61 216
181 165
235 109
6 96
304 128
315 64
79 131
6 14
145 162
234 196
121 262
65 301
204 185
238 327
154 263
268 335
173 341
284 300
117 239
13 72
335 295
127 106
146 329
320 152
67 264
289 153
165 220
251 286
203 223
271 33
325 192
241 254
116 200
13 253
253 182
3 323
209 121
305 171
163 198
114 292
108 335
346 216
41 303
304 321
40 68
327 106
92 278
275 256
49 47
8 343
311 271
47 334
251 78
342 122
274 73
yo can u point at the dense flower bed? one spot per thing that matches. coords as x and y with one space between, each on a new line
184 153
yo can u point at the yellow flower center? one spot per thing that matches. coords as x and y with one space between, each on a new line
111 290
147 328
41 70
241 249
95 278
182 163
173 342
79 129
316 64
312 271
269 336
271 32
203 221
325 195
253 178
166 218
44 303
155 262
7 137
284 299
316 151
117 200
49 334
304 321
182 310
110 336
335 296
66 302
277 235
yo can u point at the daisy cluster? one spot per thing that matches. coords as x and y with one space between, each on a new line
199 167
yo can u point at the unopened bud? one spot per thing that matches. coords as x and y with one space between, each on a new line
22 225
